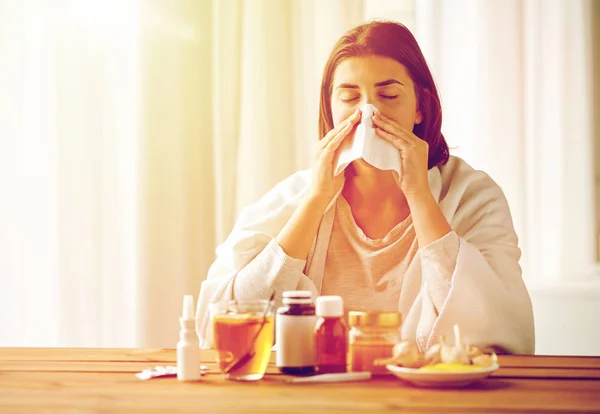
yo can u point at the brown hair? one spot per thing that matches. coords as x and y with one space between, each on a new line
393 40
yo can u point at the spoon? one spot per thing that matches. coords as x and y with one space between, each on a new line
239 362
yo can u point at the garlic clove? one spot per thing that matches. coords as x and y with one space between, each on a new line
457 354
432 356
473 351
485 360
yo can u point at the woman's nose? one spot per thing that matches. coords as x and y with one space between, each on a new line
365 100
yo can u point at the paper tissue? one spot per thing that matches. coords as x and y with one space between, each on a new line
369 146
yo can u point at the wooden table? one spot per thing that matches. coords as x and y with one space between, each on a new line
39 380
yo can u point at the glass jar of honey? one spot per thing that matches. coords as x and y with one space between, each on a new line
372 336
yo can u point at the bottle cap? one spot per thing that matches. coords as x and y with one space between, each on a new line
329 306
187 313
300 294
297 297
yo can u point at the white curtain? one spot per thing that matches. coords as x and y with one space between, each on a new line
515 79
67 172
131 134
106 214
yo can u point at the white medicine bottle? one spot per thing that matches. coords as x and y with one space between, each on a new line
295 333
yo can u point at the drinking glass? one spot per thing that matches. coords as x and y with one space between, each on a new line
243 337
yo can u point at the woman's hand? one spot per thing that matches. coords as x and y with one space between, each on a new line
298 234
414 153
325 185
430 223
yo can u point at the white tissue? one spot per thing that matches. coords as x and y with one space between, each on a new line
369 146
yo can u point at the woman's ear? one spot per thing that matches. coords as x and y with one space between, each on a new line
418 118
420 102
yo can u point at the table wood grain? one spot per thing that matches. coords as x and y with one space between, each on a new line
89 380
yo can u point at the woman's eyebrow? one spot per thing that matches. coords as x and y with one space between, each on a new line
346 86
377 85
388 82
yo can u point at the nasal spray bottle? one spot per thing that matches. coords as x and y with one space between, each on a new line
188 347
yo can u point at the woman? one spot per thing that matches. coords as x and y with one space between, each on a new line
437 243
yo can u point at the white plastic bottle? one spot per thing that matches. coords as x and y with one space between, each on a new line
295 333
188 347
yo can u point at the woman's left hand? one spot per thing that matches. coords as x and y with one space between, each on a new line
430 222
414 153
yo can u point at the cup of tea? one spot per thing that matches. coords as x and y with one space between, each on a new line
243 337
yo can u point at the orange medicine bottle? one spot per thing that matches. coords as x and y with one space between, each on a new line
331 335
372 336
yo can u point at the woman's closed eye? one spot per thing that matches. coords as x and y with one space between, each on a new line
354 98
349 99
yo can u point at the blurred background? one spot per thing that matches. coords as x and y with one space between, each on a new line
132 132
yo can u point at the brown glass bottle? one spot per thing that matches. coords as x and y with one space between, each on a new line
331 335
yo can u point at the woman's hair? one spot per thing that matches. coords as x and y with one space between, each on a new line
395 41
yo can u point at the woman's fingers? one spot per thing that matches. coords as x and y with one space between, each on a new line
339 138
343 127
331 150
396 141
391 127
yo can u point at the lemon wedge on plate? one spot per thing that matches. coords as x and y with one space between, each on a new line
450 367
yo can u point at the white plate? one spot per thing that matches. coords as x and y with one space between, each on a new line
436 379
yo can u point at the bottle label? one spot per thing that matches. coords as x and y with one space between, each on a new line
295 337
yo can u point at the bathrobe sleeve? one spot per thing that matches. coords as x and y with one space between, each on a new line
250 264
472 277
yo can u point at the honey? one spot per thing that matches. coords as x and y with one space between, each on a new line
363 355
372 336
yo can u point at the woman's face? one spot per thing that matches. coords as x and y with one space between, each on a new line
376 80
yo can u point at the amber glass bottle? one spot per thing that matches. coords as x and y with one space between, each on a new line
331 335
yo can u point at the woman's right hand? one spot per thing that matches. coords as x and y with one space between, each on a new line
324 184
297 236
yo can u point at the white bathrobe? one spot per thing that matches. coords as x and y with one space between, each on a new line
484 294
